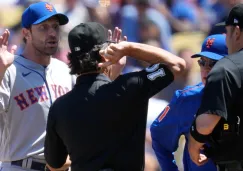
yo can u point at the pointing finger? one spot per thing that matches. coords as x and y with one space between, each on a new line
119 33
5 37
114 37
109 35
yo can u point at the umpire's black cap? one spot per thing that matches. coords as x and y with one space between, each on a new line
235 17
85 36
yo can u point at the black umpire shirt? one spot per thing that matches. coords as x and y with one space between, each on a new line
101 124
223 96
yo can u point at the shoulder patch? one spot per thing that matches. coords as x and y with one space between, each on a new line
152 68
154 72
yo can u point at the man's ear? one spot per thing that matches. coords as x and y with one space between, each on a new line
26 33
238 33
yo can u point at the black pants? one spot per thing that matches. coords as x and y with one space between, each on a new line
232 166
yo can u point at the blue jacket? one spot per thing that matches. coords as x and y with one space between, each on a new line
174 121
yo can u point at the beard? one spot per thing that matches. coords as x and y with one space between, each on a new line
43 48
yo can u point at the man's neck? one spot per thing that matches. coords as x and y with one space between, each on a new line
36 57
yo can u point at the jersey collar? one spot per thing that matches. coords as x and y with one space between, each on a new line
88 78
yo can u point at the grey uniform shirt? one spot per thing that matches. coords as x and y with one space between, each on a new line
26 94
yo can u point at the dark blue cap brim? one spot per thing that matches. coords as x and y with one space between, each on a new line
63 19
209 55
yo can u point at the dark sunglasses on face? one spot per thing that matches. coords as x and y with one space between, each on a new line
203 63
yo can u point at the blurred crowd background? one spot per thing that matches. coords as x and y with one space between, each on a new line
178 26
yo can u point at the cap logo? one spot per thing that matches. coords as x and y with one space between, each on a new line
236 21
77 49
49 7
209 42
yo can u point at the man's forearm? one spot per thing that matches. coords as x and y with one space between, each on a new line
205 123
153 55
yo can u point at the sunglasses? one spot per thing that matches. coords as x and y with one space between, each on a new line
209 63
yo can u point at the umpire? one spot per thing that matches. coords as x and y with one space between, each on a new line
218 120
101 123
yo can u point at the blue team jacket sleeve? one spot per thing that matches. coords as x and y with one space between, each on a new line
174 121
165 157
165 134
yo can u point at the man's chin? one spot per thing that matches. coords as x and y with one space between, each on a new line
51 51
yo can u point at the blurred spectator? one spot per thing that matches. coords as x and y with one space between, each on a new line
8 2
98 12
226 5
154 108
184 15
148 31
26 3
16 37
76 12
151 163
189 77
130 15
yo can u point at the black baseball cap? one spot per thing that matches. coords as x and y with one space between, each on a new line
235 17
85 36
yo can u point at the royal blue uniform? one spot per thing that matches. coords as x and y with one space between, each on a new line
174 121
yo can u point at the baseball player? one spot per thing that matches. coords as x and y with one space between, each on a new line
176 119
30 83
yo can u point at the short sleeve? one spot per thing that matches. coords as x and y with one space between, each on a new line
147 82
155 78
222 86
5 93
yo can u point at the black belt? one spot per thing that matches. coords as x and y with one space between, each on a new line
34 165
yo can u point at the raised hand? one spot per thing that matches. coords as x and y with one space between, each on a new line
6 57
116 67
113 53
116 35
113 58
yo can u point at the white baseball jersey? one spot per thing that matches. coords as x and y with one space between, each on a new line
26 94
